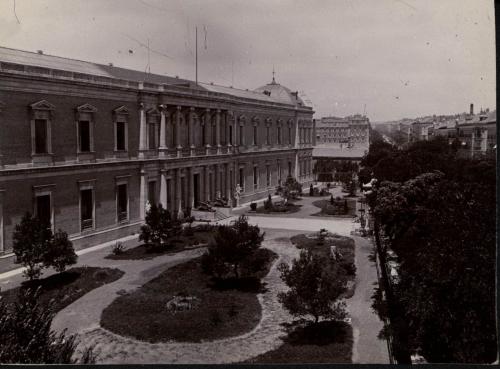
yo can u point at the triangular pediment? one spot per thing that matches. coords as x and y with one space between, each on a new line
153 111
42 105
121 110
86 108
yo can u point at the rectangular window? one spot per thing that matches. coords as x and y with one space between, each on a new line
268 176
255 178
279 136
290 135
255 135
289 168
152 192
267 136
231 135
84 135
242 179
43 210
183 193
41 136
279 173
152 136
87 209
122 202
241 135
120 136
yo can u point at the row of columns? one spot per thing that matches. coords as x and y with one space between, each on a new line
210 187
178 118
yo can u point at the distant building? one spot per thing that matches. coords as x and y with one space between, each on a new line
351 131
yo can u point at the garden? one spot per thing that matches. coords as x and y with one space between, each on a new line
207 298
290 191
336 207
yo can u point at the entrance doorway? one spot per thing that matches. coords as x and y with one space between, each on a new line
196 190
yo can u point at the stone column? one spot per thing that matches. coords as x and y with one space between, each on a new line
142 195
228 184
178 198
163 188
208 127
217 179
178 130
191 130
163 131
142 130
206 183
217 130
190 188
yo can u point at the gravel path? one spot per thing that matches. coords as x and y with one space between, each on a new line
83 317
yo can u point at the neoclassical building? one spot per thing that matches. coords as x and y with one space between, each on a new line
86 146
351 131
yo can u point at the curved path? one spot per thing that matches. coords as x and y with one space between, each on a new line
83 317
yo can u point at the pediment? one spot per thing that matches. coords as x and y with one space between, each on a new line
121 110
86 108
42 105
153 111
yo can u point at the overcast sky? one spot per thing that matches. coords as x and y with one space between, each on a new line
402 58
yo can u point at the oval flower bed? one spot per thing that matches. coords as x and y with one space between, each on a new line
184 304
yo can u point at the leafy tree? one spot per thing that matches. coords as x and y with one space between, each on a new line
291 189
232 245
316 284
159 226
26 337
36 247
443 231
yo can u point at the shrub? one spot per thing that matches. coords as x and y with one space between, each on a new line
26 337
253 206
118 248
159 227
315 285
232 245
36 247
330 209
331 200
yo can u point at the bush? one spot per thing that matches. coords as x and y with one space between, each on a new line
315 285
331 200
118 248
36 247
232 245
26 337
253 206
159 227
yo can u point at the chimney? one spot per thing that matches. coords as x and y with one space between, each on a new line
471 109
40 52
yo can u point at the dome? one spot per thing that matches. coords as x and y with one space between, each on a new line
280 93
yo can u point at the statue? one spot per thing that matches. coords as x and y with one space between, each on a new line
237 193
148 206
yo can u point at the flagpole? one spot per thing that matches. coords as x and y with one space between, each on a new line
196 56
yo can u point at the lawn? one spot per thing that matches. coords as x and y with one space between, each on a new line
322 204
68 286
343 245
198 237
324 342
206 310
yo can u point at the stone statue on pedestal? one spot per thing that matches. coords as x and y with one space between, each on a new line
237 194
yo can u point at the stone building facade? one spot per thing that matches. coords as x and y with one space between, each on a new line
351 131
86 146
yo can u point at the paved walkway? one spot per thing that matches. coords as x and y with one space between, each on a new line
83 317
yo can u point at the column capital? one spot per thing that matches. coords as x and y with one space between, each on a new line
207 110
162 108
192 109
179 108
141 105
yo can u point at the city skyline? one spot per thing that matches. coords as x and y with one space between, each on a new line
341 55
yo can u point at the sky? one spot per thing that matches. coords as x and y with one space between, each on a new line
389 58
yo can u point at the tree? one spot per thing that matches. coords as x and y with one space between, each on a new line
36 247
26 337
159 226
232 245
316 283
291 189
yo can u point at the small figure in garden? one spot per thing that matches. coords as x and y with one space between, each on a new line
311 190
331 200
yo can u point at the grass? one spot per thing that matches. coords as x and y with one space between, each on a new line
289 209
218 311
68 286
323 203
344 245
324 342
198 238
